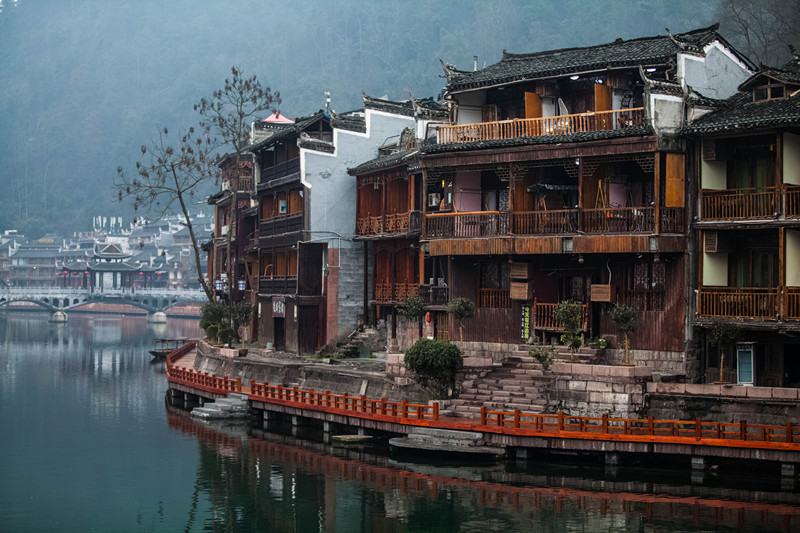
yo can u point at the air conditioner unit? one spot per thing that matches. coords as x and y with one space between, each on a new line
224 230
226 185
434 199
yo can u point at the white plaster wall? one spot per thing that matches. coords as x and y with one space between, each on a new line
713 175
667 113
791 158
793 258
717 75
715 269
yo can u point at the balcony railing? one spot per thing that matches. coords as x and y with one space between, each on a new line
281 170
792 309
792 201
757 202
277 284
738 302
536 127
592 221
280 224
408 223
477 224
496 298
544 317
618 220
546 222
397 292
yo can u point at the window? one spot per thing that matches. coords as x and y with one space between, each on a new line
771 91
644 286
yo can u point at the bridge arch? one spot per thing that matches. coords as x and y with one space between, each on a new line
40 303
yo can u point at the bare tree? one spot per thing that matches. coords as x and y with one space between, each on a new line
167 180
226 118
763 30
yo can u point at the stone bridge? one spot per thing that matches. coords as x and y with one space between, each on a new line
60 299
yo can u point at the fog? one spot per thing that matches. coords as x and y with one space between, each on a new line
84 83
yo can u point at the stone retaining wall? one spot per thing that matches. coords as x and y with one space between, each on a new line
671 363
593 390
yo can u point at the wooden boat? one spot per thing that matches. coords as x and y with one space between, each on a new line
162 347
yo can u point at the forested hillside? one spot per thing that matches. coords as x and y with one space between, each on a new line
84 83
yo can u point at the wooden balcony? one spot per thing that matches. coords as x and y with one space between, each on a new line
543 317
281 170
792 201
618 220
476 224
408 223
537 127
738 204
545 222
792 307
277 284
738 302
397 292
494 298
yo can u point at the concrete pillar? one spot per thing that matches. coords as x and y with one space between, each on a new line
58 317
520 456
156 318
268 419
362 432
698 463
788 469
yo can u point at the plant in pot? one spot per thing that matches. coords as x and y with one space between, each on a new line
723 334
625 318
435 364
568 314
413 308
460 309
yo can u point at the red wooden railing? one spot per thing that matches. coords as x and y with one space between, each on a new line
757 202
397 223
395 292
343 402
536 127
744 302
200 380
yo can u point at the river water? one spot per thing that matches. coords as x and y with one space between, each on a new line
88 444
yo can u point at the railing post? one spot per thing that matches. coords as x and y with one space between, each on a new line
743 430
363 404
650 426
238 384
404 409
561 421
383 405
516 418
698 429
483 415
789 430
436 411
311 397
280 392
344 401
327 398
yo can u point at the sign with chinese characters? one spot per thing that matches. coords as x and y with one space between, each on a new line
278 307
526 322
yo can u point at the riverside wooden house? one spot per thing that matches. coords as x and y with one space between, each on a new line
562 176
310 268
747 159
389 207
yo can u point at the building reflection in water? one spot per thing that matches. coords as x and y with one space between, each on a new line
265 481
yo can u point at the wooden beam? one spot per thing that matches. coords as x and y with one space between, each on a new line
657 180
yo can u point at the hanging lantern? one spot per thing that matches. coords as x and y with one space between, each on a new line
428 317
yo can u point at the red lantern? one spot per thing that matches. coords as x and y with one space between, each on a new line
428 317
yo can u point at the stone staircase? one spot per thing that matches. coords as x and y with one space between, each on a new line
234 406
518 383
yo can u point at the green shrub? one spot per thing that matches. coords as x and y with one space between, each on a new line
241 315
412 308
625 318
461 308
225 335
435 363
568 313
544 355
212 330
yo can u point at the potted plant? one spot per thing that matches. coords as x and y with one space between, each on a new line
568 314
461 308
625 318
723 334
413 308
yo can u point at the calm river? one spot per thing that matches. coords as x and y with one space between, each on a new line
88 444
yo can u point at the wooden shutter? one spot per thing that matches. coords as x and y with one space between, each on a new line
533 105
675 181
602 102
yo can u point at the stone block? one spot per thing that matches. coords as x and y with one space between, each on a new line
735 391
652 387
642 371
601 370
703 389
759 392
577 385
621 371
598 386
561 368
784 394
476 362
669 388
579 368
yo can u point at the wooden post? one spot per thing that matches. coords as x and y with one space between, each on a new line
404 409
363 404
789 430
366 282
516 418
781 274
743 430
698 429
483 415
383 406
650 426
436 412
657 191
238 384
605 423
561 421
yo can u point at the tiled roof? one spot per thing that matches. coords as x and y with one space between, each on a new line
788 73
317 145
349 122
289 131
645 51
432 147
385 161
425 107
741 114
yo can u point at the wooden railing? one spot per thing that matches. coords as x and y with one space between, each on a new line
696 429
742 302
395 292
545 222
200 380
277 284
792 309
280 224
673 220
409 222
281 170
792 200
475 224
496 298
618 220
758 202
543 317
536 127
358 405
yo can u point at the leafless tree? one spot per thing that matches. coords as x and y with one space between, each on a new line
225 118
761 29
167 179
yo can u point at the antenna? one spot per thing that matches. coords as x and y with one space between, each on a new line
327 101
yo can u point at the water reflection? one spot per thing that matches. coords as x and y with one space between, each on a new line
277 482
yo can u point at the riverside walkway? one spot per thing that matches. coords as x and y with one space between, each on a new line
508 429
